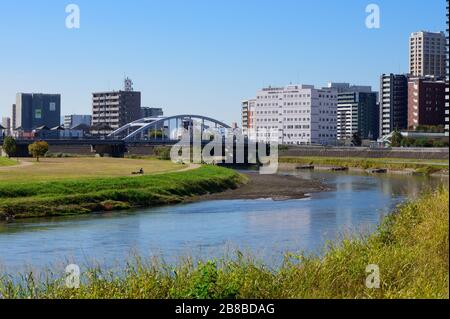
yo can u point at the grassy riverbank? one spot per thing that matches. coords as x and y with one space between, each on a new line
7 162
420 166
85 195
410 248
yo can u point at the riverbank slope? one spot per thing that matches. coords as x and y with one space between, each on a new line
86 195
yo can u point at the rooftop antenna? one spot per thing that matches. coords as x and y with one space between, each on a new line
128 84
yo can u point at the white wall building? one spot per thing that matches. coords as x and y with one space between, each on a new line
296 115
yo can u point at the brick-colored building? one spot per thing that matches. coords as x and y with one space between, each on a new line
426 102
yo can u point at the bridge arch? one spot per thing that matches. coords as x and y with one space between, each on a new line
143 129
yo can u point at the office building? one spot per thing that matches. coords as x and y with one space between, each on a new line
151 112
427 54
73 120
114 109
294 115
35 110
393 103
426 102
357 112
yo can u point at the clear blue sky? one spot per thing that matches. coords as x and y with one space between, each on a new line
201 56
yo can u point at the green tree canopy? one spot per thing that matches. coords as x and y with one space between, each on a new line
396 139
9 145
38 149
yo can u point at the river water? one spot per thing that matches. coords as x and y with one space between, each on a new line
267 229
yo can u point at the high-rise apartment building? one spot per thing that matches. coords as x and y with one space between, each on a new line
248 109
114 109
393 103
447 103
151 112
35 110
295 115
427 54
357 112
426 102
73 120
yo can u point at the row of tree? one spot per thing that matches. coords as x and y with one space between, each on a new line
398 140
37 149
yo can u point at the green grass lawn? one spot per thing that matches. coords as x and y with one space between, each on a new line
71 196
51 169
410 248
427 166
7 162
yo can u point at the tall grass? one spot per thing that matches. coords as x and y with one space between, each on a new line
70 197
410 248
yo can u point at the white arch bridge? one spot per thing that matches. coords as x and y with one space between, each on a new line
167 129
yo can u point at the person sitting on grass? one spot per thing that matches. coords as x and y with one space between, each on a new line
140 172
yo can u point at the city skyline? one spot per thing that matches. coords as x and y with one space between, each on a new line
222 64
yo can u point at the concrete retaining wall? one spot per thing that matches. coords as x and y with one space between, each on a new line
71 149
141 150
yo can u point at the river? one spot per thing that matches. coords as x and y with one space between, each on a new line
265 228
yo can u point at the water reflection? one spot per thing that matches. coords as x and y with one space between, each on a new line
267 228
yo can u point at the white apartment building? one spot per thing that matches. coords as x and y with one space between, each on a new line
296 115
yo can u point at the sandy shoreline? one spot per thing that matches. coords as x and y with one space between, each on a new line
276 187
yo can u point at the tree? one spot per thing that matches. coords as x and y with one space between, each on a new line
356 139
38 149
9 145
396 139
